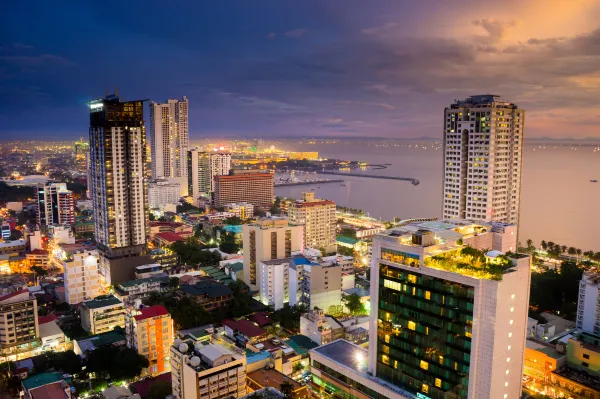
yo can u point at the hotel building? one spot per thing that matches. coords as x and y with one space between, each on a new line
207 369
483 154
243 210
319 220
56 204
169 141
256 188
119 194
150 332
447 320
588 312
268 239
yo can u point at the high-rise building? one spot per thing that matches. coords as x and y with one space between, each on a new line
169 139
150 332
56 204
119 194
268 239
162 192
448 318
483 154
273 276
203 370
220 164
20 329
199 177
80 270
588 314
319 220
254 187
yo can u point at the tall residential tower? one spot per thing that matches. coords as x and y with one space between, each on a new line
169 140
483 154
119 194
56 204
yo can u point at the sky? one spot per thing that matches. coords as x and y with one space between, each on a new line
273 68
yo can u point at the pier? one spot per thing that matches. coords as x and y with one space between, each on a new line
410 179
306 183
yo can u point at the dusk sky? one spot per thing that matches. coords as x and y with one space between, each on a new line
301 68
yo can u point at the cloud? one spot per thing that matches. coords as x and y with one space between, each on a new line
495 29
21 45
39 60
296 33
373 104
271 35
378 30
264 104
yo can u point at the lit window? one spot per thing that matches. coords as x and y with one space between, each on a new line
468 334
506 384
509 335
412 278
385 359
508 359
512 296
509 347
511 322
427 295
507 371
512 309
425 388
412 325
441 359
424 365
438 382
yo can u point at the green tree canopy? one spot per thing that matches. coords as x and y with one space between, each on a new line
228 244
354 305
159 390
116 363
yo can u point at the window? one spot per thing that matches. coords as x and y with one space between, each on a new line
424 365
412 325
412 278
427 295
438 382
425 388
584 364
585 356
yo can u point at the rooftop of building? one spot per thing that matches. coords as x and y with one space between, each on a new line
143 387
202 354
13 243
207 287
260 318
16 296
170 236
360 291
50 329
347 240
102 301
113 337
38 252
301 343
308 204
151 312
78 247
548 350
141 281
55 390
247 176
271 378
41 380
271 222
244 327
169 224
234 229
483 100
236 267
345 353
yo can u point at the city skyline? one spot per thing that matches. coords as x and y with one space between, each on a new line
309 69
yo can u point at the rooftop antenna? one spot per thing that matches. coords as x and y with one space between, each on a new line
116 90
106 92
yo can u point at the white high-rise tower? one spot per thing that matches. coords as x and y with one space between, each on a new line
169 140
483 154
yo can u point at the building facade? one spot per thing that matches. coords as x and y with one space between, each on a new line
209 370
268 239
315 284
19 328
163 192
56 204
199 177
483 154
448 318
588 314
80 271
150 332
169 139
254 188
118 191
102 314
220 164
319 220
273 285
243 210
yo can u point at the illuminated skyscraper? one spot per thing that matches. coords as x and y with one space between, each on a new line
199 179
55 204
483 154
169 140
118 191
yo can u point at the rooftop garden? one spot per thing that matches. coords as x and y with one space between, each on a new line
471 262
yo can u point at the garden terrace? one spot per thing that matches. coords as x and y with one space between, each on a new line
472 262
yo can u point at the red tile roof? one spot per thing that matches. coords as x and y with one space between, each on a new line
50 391
38 252
142 387
14 294
245 327
261 318
301 204
47 319
150 312
169 236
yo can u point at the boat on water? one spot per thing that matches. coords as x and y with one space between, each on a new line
593 181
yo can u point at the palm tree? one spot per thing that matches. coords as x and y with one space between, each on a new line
530 246
578 251
588 254
38 272
551 246
287 389
563 249
572 251
544 245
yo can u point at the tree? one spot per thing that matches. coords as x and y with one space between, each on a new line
38 272
544 245
259 212
159 390
116 363
354 305
530 246
287 389
276 207
67 361
240 304
173 284
572 251
297 367
228 244
151 217
578 252
348 232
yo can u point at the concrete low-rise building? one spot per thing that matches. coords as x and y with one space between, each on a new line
102 314
318 284
19 328
132 290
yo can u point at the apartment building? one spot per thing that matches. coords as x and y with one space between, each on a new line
220 164
256 188
207 369
483 154
273 284
319 219
102 314
55 204
199 175
318 284
588 311
131 291
150 332
80 272
19 328
163 192
243 210
268 239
